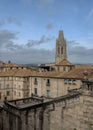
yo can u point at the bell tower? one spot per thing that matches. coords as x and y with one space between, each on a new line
60 48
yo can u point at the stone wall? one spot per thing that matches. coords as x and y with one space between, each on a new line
76 116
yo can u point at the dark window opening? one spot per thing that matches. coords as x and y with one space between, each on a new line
58 50
35 91
8 93
48 82
61 50
35 81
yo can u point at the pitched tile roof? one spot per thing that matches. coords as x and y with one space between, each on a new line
64 62
12 65
78 73
16 73
73 74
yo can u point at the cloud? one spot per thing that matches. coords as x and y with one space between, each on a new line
12 46
76 54
19 53
28 56
49 26
7 37
79 54
13 20
71 44
42 40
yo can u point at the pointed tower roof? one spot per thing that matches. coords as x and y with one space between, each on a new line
61 35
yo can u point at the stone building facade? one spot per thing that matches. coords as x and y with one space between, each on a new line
20 84
73 111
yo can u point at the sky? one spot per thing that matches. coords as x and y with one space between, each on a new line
29 29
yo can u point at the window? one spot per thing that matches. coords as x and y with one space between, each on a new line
58 50
7 86
48 93
70 81
19 94
35 81
73 81
64 68
71 68
61 50
48 82
8 93
65 81
27 79
35 91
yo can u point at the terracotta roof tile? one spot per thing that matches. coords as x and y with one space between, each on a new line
78 73
17 72
74 74
12 65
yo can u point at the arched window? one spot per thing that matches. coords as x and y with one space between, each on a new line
61 50
58 50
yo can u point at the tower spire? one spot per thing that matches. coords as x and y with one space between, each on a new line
60 48
61 35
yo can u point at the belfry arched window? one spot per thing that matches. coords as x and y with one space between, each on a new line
61 50
58 50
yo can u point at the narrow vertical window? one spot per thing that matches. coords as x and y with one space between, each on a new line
58 50
61 50
8 93
35 91
48 93
35 81
48 82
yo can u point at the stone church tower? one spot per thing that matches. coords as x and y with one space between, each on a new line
60 48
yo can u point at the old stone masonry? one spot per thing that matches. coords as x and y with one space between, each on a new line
73 111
